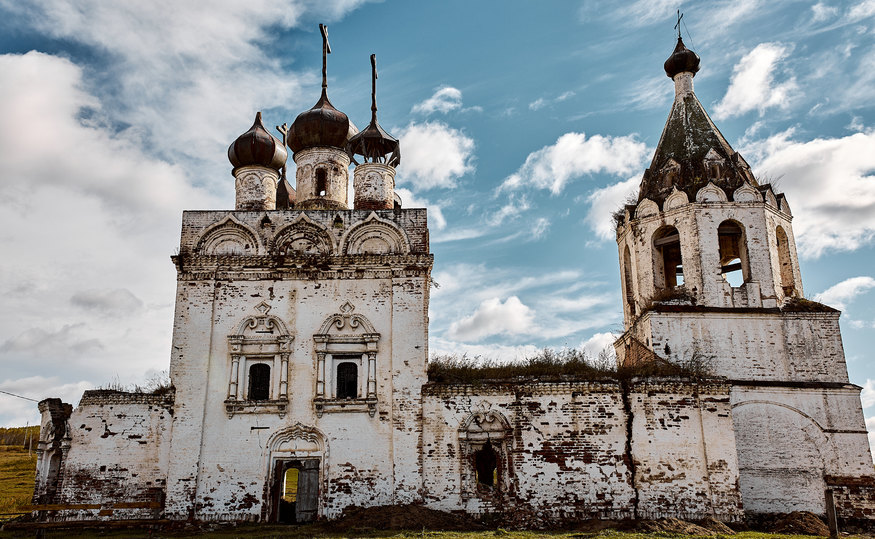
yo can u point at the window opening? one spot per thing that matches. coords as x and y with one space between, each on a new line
627 278
486 465
787 282
668 246
321 181
259 382
730 238
347 381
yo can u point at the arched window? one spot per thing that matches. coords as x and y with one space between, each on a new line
667 261
347 381
321 182
733 254
787 282
259 382
486 465
627 280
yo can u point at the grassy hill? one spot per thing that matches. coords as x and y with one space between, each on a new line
17 468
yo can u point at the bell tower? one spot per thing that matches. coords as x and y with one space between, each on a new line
710 274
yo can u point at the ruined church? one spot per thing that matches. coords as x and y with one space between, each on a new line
300 352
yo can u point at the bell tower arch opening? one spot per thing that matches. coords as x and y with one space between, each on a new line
668 267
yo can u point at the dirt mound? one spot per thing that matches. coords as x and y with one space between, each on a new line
674 525
400 517
716 526
799 523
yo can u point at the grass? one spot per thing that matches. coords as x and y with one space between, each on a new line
549 365
17 471
254 531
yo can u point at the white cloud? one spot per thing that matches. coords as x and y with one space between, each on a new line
594 345
493 317
496 352
435 215
87 212
840 294
435 155
187 79
538 104
829 185
864 9
821 12
573 156
753 86
604 202
543 102
444 100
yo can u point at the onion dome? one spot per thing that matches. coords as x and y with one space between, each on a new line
257 147
374 144
323 125
681 60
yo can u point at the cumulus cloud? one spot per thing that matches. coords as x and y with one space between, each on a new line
604 202
573 156
477 352
840 294
187 79
444 100
862 10
599 342
829 184
435 155
494 317
753 85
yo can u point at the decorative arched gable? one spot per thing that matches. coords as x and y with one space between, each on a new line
676 200
646 207
228 237
711 193
375 236
298 438
303 237
746 193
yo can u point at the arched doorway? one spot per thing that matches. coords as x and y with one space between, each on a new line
296 471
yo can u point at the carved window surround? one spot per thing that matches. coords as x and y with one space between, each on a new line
482 426
259 339
346 337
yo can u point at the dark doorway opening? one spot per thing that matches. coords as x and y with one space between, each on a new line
295 492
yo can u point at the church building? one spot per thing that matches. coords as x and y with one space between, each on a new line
300 352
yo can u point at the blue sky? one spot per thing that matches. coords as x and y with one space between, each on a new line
522 124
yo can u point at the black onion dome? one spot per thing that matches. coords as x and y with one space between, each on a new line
682 59
375 144
323 125
257 147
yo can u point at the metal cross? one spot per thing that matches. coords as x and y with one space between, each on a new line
374 83
678 25
326 50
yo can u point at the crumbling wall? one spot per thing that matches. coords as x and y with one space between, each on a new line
683 442
586 449
116 466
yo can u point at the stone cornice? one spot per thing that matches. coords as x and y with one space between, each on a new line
258 267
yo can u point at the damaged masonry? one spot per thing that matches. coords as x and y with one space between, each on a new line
300 346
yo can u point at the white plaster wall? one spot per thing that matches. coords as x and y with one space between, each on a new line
119 453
